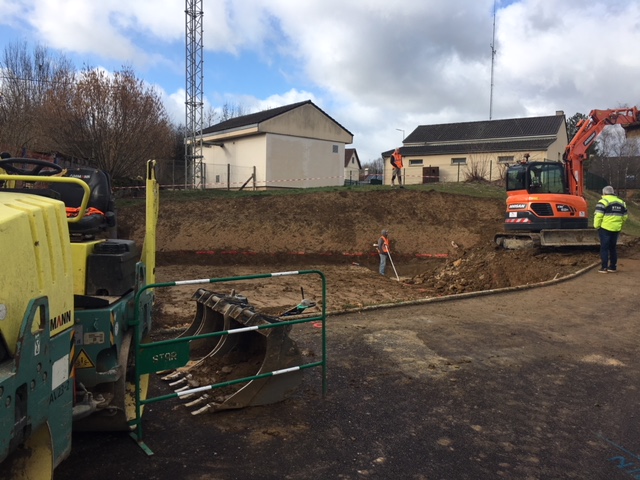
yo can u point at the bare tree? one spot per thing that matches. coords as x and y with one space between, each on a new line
619 162
374 166
230 111
477 167
26 82
115 121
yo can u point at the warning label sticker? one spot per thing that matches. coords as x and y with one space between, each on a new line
83 360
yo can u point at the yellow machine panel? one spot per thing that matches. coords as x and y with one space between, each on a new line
79 253
34 230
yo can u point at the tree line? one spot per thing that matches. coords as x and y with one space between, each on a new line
111 121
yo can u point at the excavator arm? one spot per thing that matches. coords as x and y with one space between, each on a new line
588 131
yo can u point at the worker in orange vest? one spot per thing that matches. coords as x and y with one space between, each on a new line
396 164
383 251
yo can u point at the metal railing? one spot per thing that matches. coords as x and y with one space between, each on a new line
175 353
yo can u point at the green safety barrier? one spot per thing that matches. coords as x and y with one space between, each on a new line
175 353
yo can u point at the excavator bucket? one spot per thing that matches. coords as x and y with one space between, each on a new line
204 321
226 358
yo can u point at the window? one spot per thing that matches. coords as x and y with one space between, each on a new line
416 163
459 161
536 178
335 149
508 159
515 178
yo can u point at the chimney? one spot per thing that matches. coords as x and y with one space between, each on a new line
559 112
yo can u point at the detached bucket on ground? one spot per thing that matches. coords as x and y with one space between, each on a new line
222 359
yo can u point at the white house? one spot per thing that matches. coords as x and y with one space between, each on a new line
450 152
294 146
352 166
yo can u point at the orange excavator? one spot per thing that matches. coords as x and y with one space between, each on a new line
545 200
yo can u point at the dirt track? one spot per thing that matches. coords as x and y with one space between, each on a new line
531 384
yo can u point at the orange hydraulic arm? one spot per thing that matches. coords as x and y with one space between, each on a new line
588 130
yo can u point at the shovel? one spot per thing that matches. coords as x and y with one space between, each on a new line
394 267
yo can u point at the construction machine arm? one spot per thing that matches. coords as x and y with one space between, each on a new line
588 131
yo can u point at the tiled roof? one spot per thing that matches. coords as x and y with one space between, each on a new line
488 129
469 148
259 117
509 135
348 153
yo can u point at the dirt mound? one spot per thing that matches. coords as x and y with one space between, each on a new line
442 244
419 222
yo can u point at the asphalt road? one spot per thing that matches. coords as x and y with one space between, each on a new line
540 383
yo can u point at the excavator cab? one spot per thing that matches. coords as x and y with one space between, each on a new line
537 199
537 177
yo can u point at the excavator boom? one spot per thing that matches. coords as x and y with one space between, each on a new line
545 200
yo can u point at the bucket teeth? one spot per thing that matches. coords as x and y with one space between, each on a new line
180 381
172 376
197 401
202 410
193 383
261 350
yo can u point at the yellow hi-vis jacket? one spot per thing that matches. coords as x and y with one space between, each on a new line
611 213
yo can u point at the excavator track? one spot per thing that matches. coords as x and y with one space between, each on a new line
233 356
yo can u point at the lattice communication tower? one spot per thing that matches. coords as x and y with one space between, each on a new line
193 167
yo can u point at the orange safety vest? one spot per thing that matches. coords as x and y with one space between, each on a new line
385 245
397 156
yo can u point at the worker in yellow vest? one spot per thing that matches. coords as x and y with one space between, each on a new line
609 218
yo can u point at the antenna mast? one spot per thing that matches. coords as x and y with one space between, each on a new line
493 56
193 168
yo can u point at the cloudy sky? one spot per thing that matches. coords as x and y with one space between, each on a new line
379 67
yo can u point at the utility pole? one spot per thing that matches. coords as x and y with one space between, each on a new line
493 56
193 151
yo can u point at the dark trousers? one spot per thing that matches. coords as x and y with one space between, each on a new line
608 250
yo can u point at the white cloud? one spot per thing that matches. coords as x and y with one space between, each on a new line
568 56
374 65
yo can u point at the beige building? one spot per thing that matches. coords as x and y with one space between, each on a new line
453 152
352 166
294 146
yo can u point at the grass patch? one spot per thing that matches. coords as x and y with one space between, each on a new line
473 189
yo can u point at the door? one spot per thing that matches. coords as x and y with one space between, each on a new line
430 174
